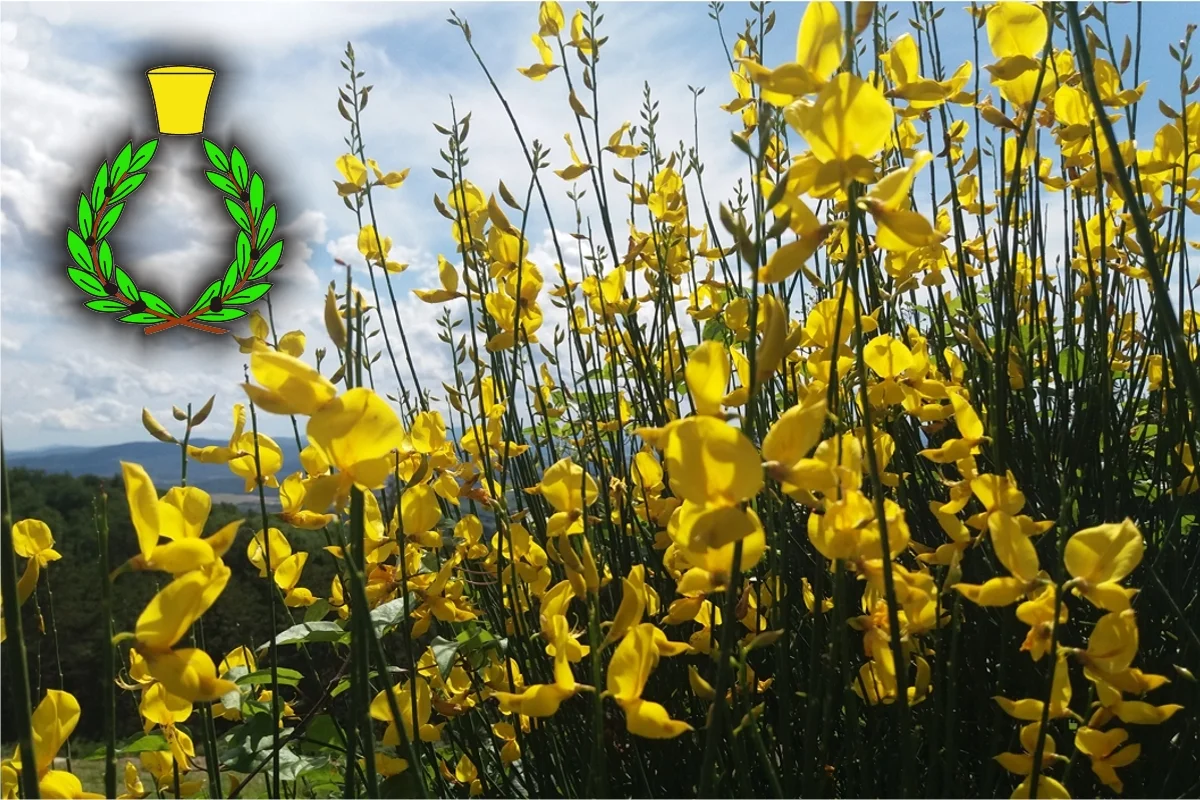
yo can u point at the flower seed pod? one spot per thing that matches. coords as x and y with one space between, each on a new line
155 428
203 413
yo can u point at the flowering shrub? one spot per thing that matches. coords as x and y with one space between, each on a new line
833 488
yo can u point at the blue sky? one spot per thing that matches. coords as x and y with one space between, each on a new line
72 91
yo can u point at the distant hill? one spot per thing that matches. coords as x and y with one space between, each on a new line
161 461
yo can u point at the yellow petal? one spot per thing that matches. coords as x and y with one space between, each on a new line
652 721
352 169
707 374
1104 553
849 117
193 505
172 611
53 721
143 506
188 674
790 258
357 432
298 387
1017 29
819 43
710 461
180 556
30 537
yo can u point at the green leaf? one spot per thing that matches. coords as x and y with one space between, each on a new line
344 684
1065 357
213 290
714 329
406 784
156 303
109 221
294 767
127 186
242 746
266 228
121 163
149 743
237 165
256 196
248 295
143 155
320 631
322 730
444 652
99 185
221 182
85 216
79 251
242 248
126 284
317 610
267 261
106 306
141 318
86 281
104 256
238 213
392 613
287 677
224 315
216 156
231 279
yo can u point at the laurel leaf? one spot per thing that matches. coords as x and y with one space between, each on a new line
267 261
221 182
243 253
127 187
106 306
141 318
237 166
105 257
156 303
126 285
256 196
212 291
143 155
79 251
224 315
216 156
109 221
99 185
85 216
231 279
86 281
266 228
248 295
121 163
238 213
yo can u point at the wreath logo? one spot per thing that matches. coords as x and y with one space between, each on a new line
180 98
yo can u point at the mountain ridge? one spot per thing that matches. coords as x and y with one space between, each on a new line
162 463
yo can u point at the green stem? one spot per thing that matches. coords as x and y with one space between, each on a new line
18 670
273 649
110 686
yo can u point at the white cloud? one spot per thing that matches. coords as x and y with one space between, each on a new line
75 377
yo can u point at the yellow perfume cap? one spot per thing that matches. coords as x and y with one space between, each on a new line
180 97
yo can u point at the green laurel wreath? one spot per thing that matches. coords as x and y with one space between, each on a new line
255 256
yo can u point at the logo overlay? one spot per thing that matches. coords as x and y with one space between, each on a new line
180 98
